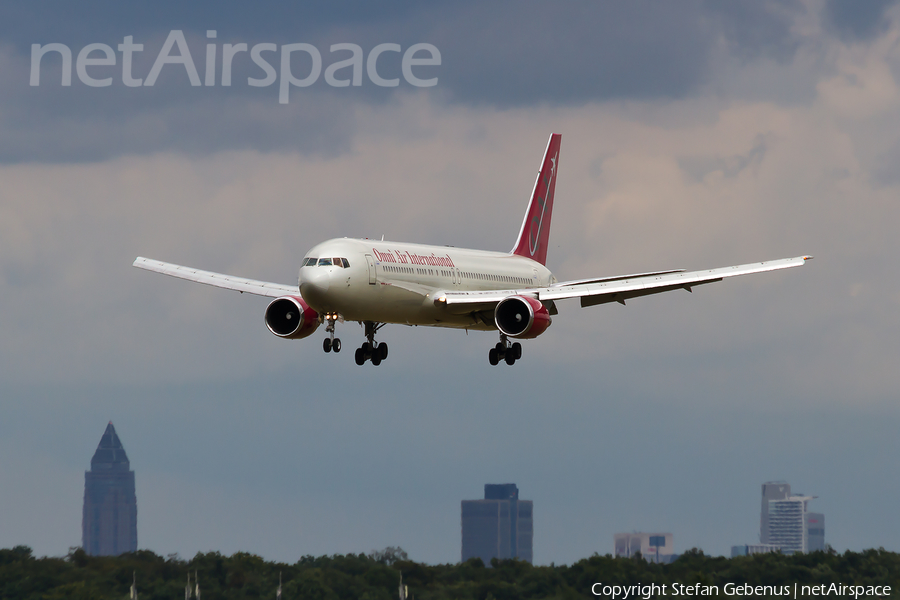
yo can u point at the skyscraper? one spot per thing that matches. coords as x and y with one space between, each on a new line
109 518
771 490
786 522
815 531
500 526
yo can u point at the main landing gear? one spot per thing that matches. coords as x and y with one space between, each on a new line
505 351
371 350
331 342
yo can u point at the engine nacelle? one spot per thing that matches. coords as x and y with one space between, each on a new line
521 317
290 317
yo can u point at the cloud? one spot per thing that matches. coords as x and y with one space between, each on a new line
500 56
864 85
757 29
858 20
777 181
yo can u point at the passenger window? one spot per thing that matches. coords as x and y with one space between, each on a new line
324 262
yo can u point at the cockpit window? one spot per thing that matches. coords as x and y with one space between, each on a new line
326 262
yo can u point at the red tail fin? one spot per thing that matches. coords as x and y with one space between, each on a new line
535 233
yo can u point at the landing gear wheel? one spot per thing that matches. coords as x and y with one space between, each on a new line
516 350
331 342
510 358
494 357
370 349
501 348
360 357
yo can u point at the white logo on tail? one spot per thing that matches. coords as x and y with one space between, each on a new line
533 237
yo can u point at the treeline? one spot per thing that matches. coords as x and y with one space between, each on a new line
376 576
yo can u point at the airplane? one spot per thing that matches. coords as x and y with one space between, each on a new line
378 282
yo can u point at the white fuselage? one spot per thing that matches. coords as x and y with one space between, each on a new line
398 282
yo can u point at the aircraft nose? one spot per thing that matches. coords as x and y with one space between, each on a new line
314 282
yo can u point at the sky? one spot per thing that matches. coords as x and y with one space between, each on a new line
695 134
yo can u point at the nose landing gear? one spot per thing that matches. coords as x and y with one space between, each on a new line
505 351
331 342
371 350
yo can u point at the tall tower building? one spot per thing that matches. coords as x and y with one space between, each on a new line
109 518
500 526
786 522
815 531
771 490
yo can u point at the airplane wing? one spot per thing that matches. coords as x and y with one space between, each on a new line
614 289
229 282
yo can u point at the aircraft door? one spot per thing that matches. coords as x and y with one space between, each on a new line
371 262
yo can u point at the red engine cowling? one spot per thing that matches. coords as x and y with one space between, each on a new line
521 317
290 317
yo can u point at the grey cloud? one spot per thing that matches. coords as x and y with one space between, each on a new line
49 122
756 28
505 55
887 167
855 20
596 51
731 166
527 53
314 125
90 21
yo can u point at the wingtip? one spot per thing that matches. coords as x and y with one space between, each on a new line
807 257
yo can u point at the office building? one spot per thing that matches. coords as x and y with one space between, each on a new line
772 490
109 517
500 526
786 523
748 549
815 532
654 547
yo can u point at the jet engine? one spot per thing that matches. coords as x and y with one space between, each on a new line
521 317
290 317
